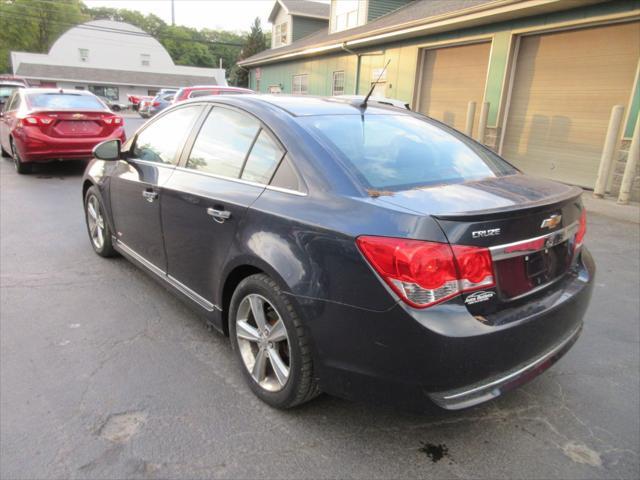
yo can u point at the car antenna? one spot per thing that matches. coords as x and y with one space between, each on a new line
373 85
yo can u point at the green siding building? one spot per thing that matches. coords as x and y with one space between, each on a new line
543 75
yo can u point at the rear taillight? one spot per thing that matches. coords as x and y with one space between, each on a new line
32 120
582 230
426 273
115 120
155 104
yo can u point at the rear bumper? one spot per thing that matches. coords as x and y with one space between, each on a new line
413 358
491 388
42 148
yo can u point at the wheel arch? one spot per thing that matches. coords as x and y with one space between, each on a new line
236 271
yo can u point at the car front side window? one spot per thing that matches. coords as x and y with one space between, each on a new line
162 141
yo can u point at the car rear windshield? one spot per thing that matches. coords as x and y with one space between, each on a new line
399 152
64 101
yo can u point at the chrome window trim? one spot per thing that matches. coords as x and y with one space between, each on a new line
500 252
286 190
182 288
246 182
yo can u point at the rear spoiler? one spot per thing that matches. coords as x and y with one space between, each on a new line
572 195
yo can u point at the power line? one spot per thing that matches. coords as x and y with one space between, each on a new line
105 29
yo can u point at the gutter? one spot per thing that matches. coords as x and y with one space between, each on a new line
448 21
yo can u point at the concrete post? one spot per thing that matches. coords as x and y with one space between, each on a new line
608 151
482 122
471 114
630 167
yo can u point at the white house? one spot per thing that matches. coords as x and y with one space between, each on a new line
112 59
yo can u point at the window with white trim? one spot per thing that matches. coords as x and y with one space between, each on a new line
344 14
84 54
299 84
145 59
281 34
338 83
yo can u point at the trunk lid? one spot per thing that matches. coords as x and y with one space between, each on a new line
528 224
77 124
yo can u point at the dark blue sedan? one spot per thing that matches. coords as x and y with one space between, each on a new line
361 250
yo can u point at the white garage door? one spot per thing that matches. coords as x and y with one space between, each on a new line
564 87
451 78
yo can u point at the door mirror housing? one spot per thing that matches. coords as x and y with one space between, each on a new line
108 150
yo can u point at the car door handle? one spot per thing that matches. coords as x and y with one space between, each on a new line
149 195
219 215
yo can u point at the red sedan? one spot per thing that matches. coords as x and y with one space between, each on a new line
205 90
40 125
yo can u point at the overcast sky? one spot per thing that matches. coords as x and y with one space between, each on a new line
215 14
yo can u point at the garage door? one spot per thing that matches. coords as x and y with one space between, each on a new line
564 87
451 78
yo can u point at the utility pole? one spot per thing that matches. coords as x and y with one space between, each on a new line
173 13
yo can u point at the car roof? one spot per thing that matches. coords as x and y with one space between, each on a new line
12 83
304 106
68 91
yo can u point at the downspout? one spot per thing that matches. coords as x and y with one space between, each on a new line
355 88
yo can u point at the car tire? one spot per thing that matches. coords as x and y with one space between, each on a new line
294 353
97 225
21 167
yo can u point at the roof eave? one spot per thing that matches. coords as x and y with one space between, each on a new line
472 16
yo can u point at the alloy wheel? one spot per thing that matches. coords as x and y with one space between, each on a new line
263 342
15 155
95 220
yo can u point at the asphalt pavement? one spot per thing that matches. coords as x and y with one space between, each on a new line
106 374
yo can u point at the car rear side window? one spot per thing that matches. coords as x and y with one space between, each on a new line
163 139
399 152
263 159
64 101
286 176
223 143
201 93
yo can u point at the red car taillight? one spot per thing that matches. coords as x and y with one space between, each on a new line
155 104
115 120
426 273
582 230
37 120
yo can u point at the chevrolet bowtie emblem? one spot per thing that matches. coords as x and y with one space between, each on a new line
551 222
77 115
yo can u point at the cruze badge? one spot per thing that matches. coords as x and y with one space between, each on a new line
551 222
492 232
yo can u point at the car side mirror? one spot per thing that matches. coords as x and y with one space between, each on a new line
108 150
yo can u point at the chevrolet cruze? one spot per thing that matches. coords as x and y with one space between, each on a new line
361 250
39 125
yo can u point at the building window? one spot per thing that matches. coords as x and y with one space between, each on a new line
299 84
281 34
274 89
145 59
257 85
338 83
112 93
84 54
344 14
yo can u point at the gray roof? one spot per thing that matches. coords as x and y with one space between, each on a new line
107 76
414 13
303 8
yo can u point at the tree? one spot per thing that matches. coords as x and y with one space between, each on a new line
33 26
256 43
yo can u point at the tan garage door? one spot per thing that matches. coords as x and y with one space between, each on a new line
451 78
564 87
